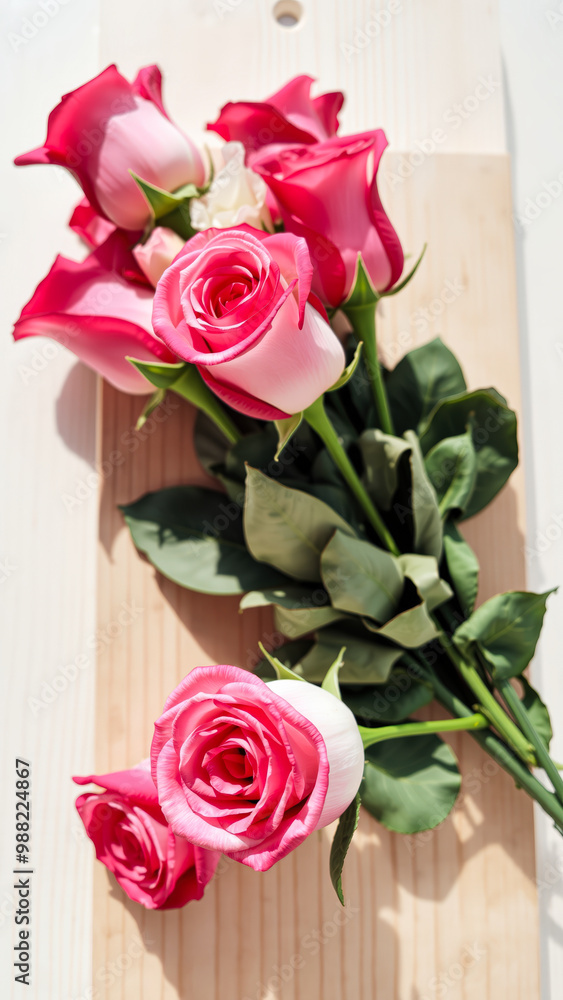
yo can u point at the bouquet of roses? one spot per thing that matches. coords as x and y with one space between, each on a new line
340 486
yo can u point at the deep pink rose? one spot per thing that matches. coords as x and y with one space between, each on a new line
92 228
235 303
328 194
99 308
108 127
251 769
133 840
290 115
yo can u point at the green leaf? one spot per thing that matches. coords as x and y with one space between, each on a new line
286 429
382 455
361 578
494 439
348 371
345 830
423 571
367 661
410 629
282 672
287 528
330 682
506 629
463 567
161 375
194 537
451 466
425 510
388 703
298 610
421 380
410 783
537 712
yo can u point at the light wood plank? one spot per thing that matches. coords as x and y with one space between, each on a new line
420 907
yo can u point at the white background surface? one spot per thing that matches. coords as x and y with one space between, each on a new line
47 553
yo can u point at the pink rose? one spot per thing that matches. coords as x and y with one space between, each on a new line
251 769
290 115
101 309
108 127
235 303
328 194
133 840
154 256
92 228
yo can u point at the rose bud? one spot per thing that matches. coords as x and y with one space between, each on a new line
290 115
236 195
133 840
99 308
154 256
328 194
251 769
235 303
108 127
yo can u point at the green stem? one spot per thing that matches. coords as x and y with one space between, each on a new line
491 743
371 736
316 416
486 700
362 319
519 712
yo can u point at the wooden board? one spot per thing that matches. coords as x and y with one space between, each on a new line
455 908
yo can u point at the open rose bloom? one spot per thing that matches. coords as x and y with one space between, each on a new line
237 304
133 840
251 769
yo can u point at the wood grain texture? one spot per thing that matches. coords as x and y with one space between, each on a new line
456 907
47 548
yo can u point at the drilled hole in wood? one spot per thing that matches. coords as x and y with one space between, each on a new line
288 13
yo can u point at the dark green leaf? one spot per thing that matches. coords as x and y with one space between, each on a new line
424 573
425 510
410 783
361 578
382 454
388 703
287 528
366 661
463 567
537 712
420 380
345 830
194 537
410 629
506 629
451 466
298 610
494 439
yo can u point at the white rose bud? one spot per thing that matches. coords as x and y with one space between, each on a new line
236 195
